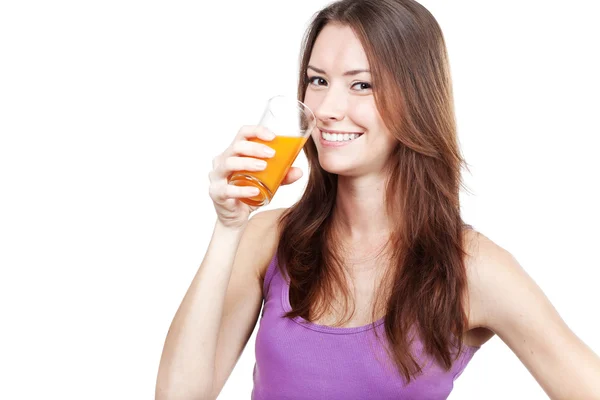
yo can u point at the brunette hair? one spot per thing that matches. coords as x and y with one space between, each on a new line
426 283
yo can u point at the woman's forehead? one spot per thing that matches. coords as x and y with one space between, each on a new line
337 50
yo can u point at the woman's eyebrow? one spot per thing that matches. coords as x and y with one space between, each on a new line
347 73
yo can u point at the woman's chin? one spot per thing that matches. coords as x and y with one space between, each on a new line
337 167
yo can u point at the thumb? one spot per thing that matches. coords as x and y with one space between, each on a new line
292 176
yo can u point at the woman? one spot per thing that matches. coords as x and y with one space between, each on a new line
384 292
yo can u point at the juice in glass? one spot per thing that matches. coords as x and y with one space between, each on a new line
268 180
292 123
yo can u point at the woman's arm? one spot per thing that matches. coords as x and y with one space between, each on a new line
218 313
513 306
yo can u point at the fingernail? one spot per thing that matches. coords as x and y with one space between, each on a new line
269 152
270 135
261 164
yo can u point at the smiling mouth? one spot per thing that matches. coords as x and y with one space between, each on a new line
338 136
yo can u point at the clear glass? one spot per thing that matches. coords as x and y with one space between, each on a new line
292 122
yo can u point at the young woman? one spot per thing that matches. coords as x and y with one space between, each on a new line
373 287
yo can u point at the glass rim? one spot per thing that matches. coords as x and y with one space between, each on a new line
301 105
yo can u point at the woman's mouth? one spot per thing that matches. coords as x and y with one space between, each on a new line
337 138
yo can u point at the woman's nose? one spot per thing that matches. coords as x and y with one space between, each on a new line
332 108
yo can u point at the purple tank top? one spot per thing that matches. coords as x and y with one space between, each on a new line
296 359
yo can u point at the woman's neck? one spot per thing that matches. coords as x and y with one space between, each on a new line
360 214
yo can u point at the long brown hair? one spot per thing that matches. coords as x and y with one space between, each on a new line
426 284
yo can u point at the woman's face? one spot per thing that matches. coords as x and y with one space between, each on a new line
350 136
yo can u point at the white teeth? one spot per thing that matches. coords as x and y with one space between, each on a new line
339 137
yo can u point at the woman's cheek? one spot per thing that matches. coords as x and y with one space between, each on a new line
364 114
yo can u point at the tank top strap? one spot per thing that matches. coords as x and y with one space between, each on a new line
269 274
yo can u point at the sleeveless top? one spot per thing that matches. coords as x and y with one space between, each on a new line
297 359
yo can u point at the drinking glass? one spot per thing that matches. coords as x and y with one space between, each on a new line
292 123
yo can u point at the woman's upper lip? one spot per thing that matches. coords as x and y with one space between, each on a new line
330 131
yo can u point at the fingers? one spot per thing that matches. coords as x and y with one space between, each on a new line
223 169
254 131
220 192
252 149
242 154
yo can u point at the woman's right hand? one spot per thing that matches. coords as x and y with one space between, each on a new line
241 155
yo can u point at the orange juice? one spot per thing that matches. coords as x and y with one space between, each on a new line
268 180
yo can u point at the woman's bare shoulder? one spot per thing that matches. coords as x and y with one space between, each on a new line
483 256
268 217
478 247
264 231
480 250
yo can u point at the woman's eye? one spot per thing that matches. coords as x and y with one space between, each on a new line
362 85
317 81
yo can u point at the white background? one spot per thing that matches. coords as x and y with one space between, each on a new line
110 114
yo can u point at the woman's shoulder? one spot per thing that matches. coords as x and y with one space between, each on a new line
478 247
268 216
264 229
484 261
481 251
